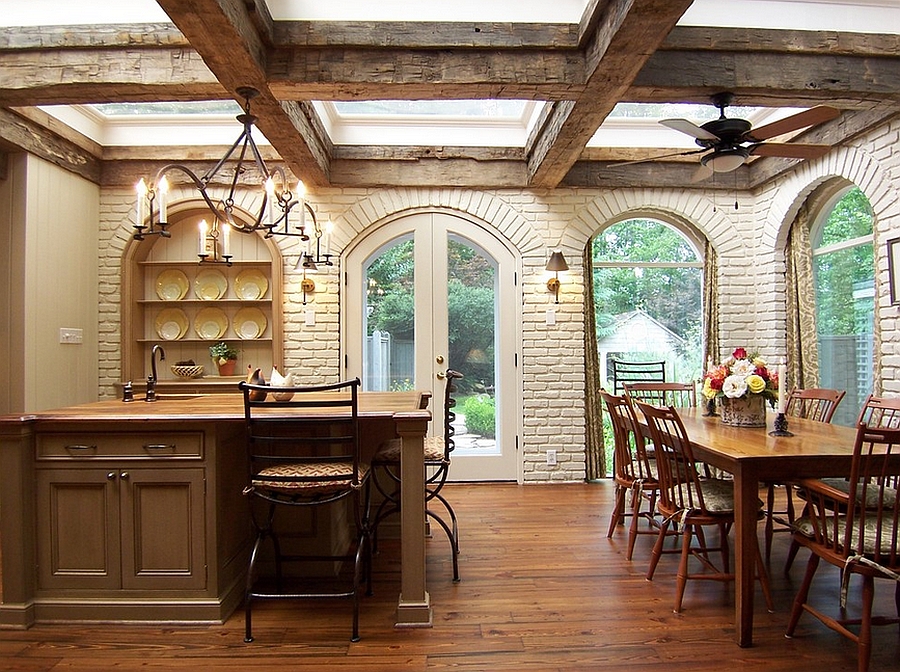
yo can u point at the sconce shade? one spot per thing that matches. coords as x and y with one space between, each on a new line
557 262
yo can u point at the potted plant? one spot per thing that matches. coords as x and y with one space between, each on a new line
225 357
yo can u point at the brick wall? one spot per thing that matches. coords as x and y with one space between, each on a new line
749 242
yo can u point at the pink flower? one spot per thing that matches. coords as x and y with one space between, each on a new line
739 353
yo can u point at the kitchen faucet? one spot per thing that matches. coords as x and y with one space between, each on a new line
151 379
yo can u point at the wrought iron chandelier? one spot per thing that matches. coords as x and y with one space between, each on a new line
273 216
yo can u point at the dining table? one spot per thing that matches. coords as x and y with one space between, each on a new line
753 455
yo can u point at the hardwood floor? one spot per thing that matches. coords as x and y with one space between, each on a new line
542 589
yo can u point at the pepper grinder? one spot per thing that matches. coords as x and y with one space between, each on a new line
127 392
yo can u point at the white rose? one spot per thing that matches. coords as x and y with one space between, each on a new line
743 367
734 386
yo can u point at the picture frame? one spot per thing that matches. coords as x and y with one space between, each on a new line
893 250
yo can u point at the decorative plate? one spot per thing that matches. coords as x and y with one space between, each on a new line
210 324
171 285
210 284
171 324
249 323
251 284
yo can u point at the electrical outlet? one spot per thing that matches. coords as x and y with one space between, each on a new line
551 458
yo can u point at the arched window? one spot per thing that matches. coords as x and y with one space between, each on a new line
844 281
648 297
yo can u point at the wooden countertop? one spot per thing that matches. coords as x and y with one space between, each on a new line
174 407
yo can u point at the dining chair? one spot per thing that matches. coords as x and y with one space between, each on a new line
855 529
632 472
692 502
663 394
814 403
303 447
386 474
632 372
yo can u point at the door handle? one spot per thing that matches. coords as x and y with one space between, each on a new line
439 359
441 375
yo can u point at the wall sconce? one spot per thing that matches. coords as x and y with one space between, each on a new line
556 264
307 285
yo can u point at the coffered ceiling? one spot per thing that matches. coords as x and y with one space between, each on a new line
577 69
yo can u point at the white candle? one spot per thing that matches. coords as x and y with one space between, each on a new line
270 194
329 227
163 189
226 239
202 240
141 188
709 363
782 372
301 202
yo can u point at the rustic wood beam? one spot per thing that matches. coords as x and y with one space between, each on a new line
423 74
26 135
627 34
772 68
656 174
414 35
78 76
427 172
226 35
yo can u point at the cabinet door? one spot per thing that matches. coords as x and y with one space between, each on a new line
163 529
78 529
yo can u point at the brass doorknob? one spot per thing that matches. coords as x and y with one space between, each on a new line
441 375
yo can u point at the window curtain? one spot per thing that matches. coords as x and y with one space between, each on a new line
595 455
710 304
800 295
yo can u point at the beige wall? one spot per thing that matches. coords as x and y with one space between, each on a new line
749 242
49 230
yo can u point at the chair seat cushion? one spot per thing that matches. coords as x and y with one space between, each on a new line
804 526
389 452
872 495
334 475
718 495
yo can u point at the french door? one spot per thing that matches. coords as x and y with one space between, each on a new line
430 292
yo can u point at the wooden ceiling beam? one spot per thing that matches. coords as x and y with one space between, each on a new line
627 34
24 134
226 35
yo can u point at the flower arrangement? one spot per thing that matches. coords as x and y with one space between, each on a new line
741 375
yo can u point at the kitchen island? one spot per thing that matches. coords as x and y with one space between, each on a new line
133 512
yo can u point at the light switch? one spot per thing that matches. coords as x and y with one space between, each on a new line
551 316
310 317
70 335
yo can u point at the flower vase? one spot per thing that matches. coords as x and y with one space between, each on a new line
746 411
227 369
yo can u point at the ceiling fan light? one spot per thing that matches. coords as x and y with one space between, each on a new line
726 160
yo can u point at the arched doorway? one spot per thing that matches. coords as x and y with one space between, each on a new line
430 291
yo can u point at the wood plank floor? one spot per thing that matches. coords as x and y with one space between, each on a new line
542 589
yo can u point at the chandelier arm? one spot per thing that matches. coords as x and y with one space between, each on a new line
198 183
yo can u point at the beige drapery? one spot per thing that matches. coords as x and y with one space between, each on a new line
802 346
595 455
710 304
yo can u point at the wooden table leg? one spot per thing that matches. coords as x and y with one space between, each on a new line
746 509
414 606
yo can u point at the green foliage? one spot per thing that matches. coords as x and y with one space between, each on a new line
479 412
405 385
222 350
843 305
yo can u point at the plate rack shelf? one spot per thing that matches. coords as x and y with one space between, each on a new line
172 300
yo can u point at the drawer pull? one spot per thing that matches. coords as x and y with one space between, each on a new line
159 446
111 476
79 447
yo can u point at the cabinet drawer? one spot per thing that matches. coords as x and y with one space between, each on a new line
120 444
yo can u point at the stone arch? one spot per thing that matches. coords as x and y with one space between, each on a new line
851 163
486 207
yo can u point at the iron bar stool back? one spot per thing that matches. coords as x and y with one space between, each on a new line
304 451
438 451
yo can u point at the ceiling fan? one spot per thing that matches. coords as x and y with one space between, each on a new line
727 142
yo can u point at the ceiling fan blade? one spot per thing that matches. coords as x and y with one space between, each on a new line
701 174
790 151
689 127
811 117
655 158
